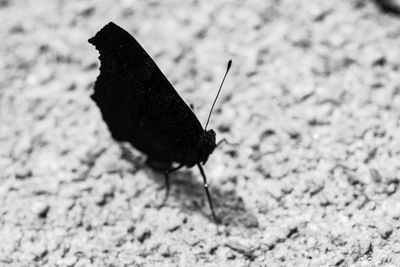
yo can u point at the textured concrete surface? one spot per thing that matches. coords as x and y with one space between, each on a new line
312 105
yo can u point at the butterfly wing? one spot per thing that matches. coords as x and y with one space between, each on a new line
138 103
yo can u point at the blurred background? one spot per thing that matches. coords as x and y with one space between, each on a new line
311 106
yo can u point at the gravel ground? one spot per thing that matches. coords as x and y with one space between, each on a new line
311 106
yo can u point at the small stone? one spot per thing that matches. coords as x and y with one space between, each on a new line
40 209
165 250
396 247
274 189
302 93
250 221
280 253
384 229
39 251
23 173
299 38
365 246
240 247
275 236
319 14
173 223
375 176
68 261
223 253
142 233
311 243
271 240
230 256
372 55
391 189
104 194
338 260
393 210
287 188
87 11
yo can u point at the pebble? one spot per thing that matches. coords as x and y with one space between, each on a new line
396 248
391 189
23 173
375 176
142 233
241 247
272 239
104 194
39 250
275 236
365 246
299 38
280 253
338 260
40 209
311 243
274 189
384 229
250 221
173 223
68 261
165 250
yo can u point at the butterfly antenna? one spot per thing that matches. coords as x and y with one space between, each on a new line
219 90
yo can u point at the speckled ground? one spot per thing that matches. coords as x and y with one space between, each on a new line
311 106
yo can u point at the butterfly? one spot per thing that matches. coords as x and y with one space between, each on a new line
140 106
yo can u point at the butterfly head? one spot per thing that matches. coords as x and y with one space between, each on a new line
207 145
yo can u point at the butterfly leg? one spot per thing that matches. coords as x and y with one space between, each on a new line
167 185
223 140
207 192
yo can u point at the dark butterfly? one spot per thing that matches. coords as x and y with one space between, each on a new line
141 107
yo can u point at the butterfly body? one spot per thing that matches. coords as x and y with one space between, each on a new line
141 107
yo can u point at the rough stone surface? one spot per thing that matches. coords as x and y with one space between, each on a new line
311 107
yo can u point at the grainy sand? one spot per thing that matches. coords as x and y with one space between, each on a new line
311 103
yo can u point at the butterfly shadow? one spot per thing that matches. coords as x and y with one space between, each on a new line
188 191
